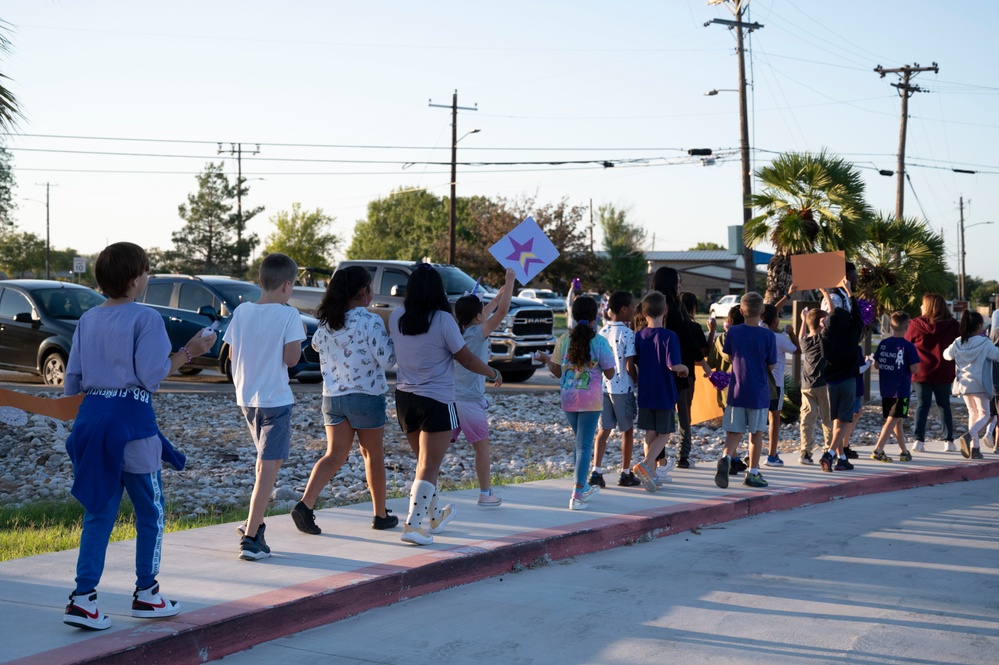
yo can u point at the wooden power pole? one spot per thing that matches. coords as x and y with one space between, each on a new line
452 220
905 90
237 150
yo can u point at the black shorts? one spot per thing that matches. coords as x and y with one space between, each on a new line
895 407
417 413
992 406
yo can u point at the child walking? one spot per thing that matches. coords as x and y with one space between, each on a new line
477 323
120 354
753 351
840 338
265 339
814 393
354 352
896 360
580 357
618 392
786 343
657 351
973 356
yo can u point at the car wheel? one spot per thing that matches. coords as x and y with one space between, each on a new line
54 369
517 376
189 371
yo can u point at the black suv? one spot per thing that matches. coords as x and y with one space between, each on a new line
37 320
188 304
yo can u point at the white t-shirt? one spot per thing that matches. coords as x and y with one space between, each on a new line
622 343
257 335
784 346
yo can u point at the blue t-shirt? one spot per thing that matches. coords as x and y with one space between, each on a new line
752 349
656 349
895 356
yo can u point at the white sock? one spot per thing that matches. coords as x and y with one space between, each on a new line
435 509
420 496
755 471
597 469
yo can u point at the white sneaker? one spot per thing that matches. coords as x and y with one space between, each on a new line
989 440
149 604
447 514
82 612
589 491
918 446
416 536
576 502
949 447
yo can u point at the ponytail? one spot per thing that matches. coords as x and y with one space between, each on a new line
970 322
345 284
584 312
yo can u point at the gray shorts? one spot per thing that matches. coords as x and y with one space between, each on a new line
361 411
618 411
741 419
270 429
660 421
842 399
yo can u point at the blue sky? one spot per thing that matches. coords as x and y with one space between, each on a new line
553 81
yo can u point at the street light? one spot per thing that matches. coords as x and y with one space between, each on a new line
715 91
963 227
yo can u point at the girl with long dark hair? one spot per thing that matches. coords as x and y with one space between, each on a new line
427 342
580 357
354 352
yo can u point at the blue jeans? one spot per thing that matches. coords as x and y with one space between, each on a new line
584 426
940 392
146 493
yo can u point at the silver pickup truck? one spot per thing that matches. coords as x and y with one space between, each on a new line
529 327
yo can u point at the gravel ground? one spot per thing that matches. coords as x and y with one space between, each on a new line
528 436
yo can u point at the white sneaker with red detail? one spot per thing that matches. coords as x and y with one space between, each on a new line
149 604
82 612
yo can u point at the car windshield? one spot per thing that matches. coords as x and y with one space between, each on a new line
67 303
546 294
455 281
236 293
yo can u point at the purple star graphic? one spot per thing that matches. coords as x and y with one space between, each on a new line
519 248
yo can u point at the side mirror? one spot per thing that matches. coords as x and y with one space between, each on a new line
398 291
23 317
209 311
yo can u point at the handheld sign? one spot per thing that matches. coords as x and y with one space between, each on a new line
526 249
818 271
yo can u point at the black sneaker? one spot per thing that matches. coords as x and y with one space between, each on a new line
305 519
387 522
843 465
737 466
597 479
827 462
721 474
629 480
241 529
850 453
253 549
684 463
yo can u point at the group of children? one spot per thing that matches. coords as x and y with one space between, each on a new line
121 353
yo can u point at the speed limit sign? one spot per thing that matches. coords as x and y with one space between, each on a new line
79 265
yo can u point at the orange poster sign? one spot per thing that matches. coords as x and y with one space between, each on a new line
818 271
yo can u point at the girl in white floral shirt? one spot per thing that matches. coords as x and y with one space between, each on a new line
354 352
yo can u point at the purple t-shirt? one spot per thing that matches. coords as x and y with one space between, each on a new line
752 349
425 363
895 356
656 349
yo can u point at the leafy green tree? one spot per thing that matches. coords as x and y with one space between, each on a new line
22 252
9 109
983 292
901 259
624 267
7 185
208 241
304 236
405 225
707 246
809 203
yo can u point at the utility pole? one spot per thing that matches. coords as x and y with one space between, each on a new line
960 283
739 6
237 150
905 90
48 244
452 223
591 226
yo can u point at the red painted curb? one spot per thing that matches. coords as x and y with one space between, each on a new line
214 632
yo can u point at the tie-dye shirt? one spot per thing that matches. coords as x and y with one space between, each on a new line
581 386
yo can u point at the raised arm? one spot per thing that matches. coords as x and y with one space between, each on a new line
499 306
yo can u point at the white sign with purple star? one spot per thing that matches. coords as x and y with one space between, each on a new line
526 249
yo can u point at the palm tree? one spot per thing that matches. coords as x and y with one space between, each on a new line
901 259
810 203
9 110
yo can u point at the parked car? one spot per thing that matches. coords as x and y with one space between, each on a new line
545 297
37 320
526 329
720 309
306 299
188 304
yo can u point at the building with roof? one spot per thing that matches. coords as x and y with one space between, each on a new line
708 274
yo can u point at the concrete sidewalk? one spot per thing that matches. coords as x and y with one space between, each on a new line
230 605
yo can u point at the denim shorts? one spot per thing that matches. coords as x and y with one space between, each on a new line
361 411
